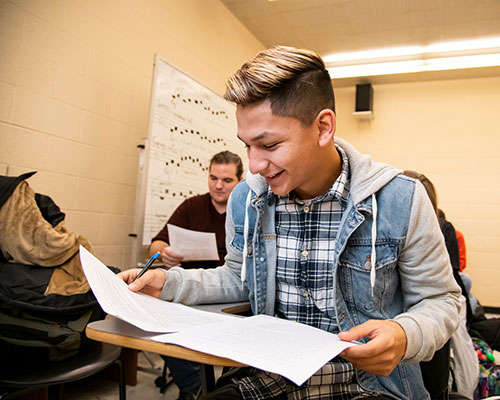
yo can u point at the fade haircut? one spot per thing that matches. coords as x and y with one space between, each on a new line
226 157
295 81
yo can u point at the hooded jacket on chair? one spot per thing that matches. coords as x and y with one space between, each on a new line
412 282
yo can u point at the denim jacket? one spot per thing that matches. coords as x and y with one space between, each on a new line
412 282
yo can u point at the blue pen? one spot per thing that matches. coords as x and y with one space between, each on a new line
148 264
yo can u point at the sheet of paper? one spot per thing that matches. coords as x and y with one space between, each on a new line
145 312
295 351
193 245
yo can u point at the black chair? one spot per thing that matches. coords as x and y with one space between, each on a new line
164 379
436 373
22 376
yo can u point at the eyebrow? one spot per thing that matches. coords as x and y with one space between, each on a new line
256 138
223 178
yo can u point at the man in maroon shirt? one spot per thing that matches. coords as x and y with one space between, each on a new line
205 213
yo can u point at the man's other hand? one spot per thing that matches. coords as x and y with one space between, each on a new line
382 353
150 283
170 258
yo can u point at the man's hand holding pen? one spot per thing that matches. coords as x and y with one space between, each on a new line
150 283
147 281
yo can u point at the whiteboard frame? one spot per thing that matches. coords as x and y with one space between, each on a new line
142 178
139 251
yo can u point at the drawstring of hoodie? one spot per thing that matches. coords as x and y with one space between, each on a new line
245 241
373 257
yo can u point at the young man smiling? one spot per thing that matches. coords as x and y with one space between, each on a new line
321 234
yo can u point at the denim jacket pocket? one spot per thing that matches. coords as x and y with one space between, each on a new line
354 274
239 240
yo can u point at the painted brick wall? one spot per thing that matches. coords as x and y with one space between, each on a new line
448 130
75 81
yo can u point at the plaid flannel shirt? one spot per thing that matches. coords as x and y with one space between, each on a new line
306 234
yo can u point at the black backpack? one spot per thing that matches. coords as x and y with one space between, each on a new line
49 327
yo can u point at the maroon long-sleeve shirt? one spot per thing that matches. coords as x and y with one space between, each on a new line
198 214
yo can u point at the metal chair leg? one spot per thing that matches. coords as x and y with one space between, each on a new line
121 380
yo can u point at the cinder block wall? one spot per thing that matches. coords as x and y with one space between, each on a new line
448 130
75 81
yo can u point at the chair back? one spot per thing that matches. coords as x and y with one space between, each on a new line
436 373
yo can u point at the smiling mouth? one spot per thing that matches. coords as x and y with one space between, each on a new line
271 178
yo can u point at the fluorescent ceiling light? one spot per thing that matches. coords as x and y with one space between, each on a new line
434 57
397 67
402 67
372 54
464 45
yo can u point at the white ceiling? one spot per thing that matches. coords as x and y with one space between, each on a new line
335 26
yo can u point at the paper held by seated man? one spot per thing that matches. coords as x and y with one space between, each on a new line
295 351
193 245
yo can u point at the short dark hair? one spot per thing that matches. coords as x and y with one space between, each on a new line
441 214
429 187
295 81
226 157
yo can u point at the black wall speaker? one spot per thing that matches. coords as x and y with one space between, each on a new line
364 97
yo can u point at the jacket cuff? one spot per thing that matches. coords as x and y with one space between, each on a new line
414 337
172 280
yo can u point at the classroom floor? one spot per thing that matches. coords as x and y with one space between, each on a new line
98 388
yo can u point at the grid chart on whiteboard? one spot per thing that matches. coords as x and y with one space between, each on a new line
189 124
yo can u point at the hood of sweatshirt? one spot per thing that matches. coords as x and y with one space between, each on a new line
367 178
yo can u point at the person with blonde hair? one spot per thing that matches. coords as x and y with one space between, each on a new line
320 234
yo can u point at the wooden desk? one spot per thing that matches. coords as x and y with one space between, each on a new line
115 331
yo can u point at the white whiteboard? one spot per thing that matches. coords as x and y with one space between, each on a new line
188 124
